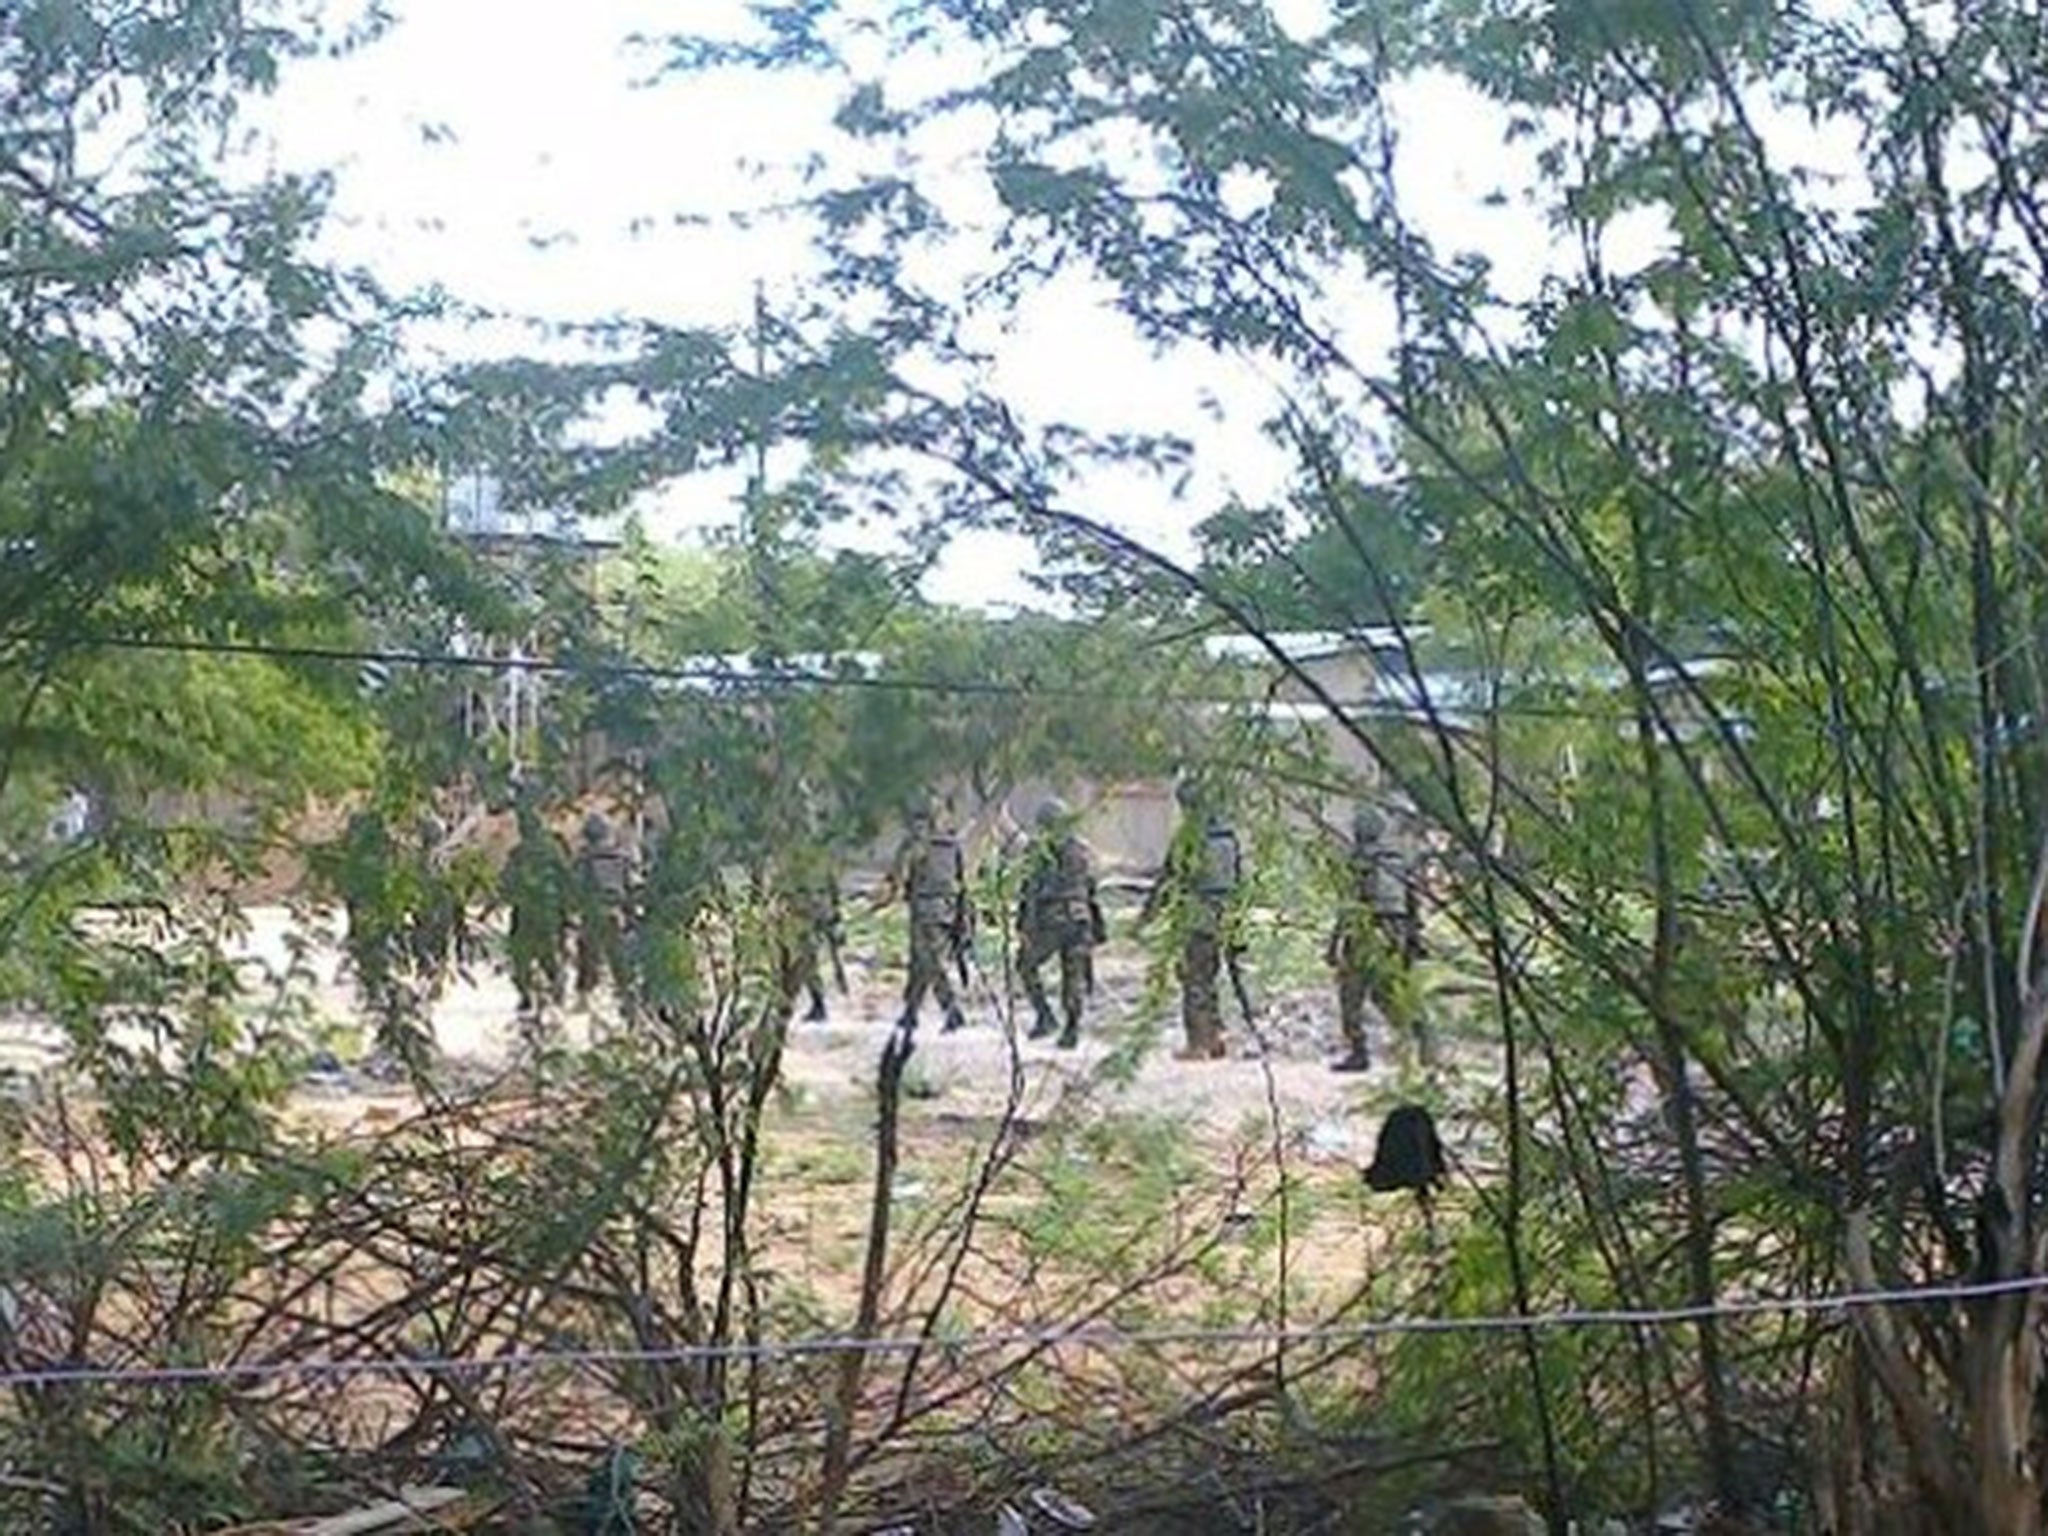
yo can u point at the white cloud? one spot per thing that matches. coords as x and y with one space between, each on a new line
559 188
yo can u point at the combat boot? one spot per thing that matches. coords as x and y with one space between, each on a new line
1070 1037
955 1020
1353 1060
1041 1027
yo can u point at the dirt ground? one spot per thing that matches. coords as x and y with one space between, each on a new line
965 1072
957 1086
1191 1253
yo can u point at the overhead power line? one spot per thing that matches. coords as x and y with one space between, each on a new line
764 678
705 672
1092 1336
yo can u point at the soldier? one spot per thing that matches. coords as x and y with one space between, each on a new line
1376 939
1058 913
365 864
1203 870
819 933
604 871
536 889
930 873
812 931
440 935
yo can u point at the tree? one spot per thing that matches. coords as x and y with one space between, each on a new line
1296 578
206 444
1743 443
215 478
187 462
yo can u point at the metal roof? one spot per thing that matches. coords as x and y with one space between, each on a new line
709 673
1310 644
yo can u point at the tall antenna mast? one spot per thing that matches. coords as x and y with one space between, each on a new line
760 540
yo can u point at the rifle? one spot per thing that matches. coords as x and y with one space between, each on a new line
1009 930
963 938
976 986
1098 933
832 941
1234 970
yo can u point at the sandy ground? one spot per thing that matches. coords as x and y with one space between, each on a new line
815 1213
831 1065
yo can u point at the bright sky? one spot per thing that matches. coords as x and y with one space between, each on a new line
504 152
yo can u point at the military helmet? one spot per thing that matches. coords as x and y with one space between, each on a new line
917 808
1368 822
596 829
1052 812
1188 792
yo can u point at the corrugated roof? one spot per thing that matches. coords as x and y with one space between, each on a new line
1310 644
708 673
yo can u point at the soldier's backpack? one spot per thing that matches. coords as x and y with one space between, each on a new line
1217 867
935 878
610 872
1073 874
1388 885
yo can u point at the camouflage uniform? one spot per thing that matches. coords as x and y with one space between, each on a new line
440 930
931 872
367 860
536 882
1376 940
605 879
1058 914
816 921
1203 870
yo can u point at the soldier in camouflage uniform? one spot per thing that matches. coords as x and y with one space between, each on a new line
535 887
815 930
604 880
1058 914
930 873
1203 870
816 918
1376 940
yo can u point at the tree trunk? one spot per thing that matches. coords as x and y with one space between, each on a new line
846 1399
707 1493
1676 1084
2003 1367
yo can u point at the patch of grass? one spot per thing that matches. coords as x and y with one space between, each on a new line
830 1163
1286 950
345 1037
879 937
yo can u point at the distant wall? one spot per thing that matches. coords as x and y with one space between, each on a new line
1129 823
1346 676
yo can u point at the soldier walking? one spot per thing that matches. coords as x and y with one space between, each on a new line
1058 914
604 870
1375 942
819 933
536 890
930 873
1203 870
807 887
